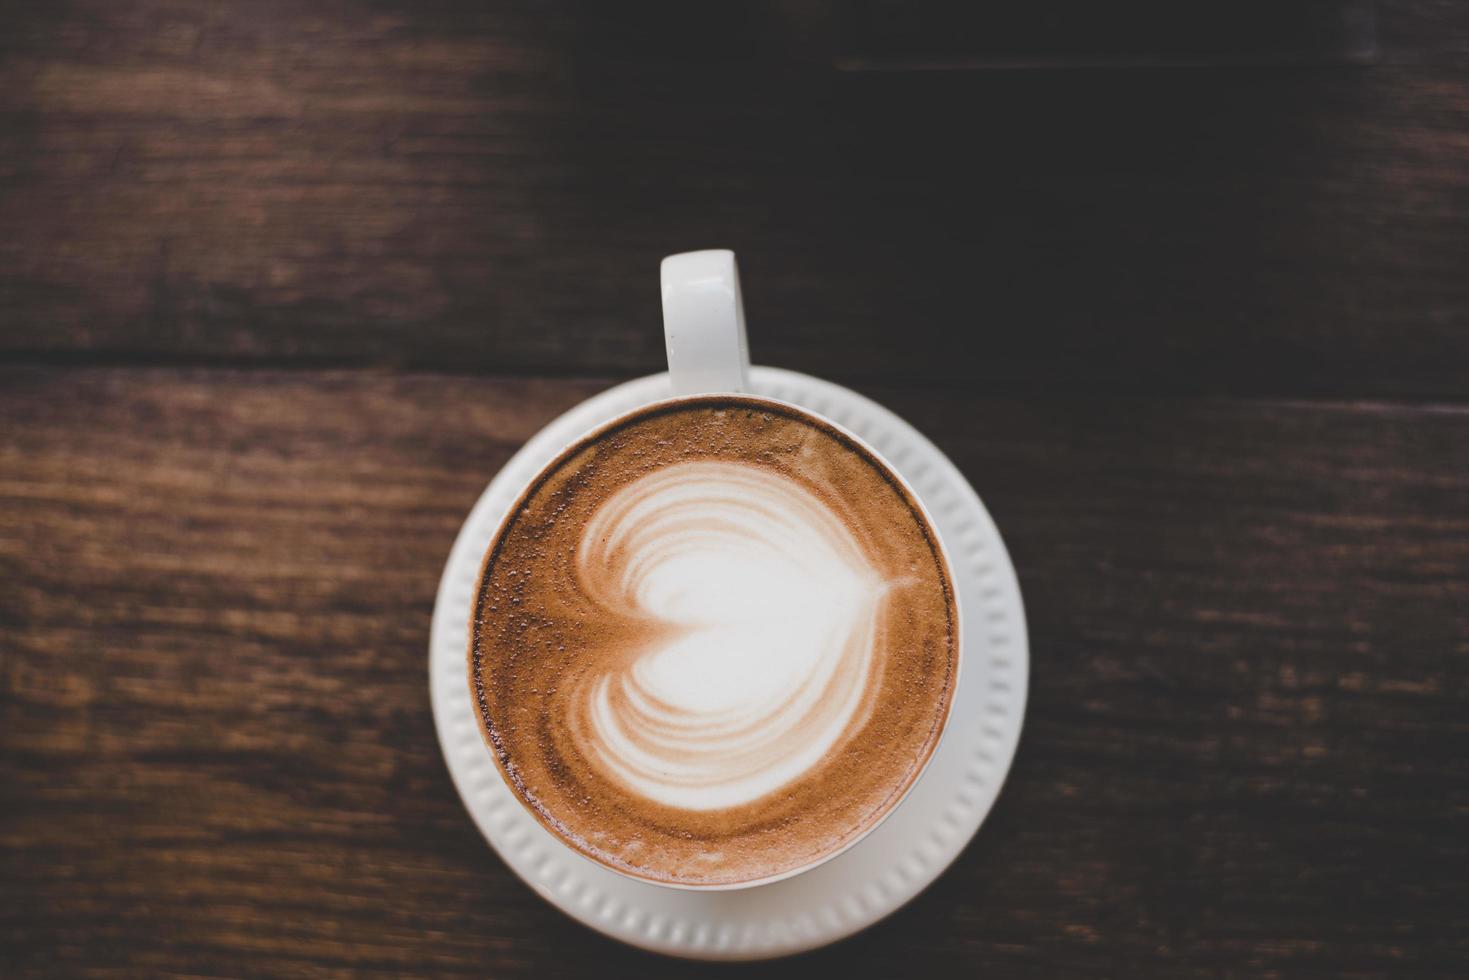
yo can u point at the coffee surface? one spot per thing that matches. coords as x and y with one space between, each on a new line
713 643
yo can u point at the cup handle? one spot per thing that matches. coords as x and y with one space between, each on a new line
704 322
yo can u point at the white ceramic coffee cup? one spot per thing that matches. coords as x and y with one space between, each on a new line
708 354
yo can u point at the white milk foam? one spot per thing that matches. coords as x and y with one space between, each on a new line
768 661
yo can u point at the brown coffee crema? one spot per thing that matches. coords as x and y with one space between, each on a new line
713 643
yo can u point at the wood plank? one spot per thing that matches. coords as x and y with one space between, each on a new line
1247 749
923 35
479 188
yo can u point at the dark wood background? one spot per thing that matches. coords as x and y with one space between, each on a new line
282 284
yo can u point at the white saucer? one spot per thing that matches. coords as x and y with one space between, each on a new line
884 870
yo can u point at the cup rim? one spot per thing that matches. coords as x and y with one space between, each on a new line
913 498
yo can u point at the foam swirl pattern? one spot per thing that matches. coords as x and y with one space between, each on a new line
713 643
772 609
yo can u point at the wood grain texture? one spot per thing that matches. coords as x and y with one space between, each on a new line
1247 750
224 506
488 187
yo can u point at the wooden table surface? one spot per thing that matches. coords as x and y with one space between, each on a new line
283 284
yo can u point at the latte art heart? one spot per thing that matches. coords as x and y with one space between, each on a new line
766 660
713 642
